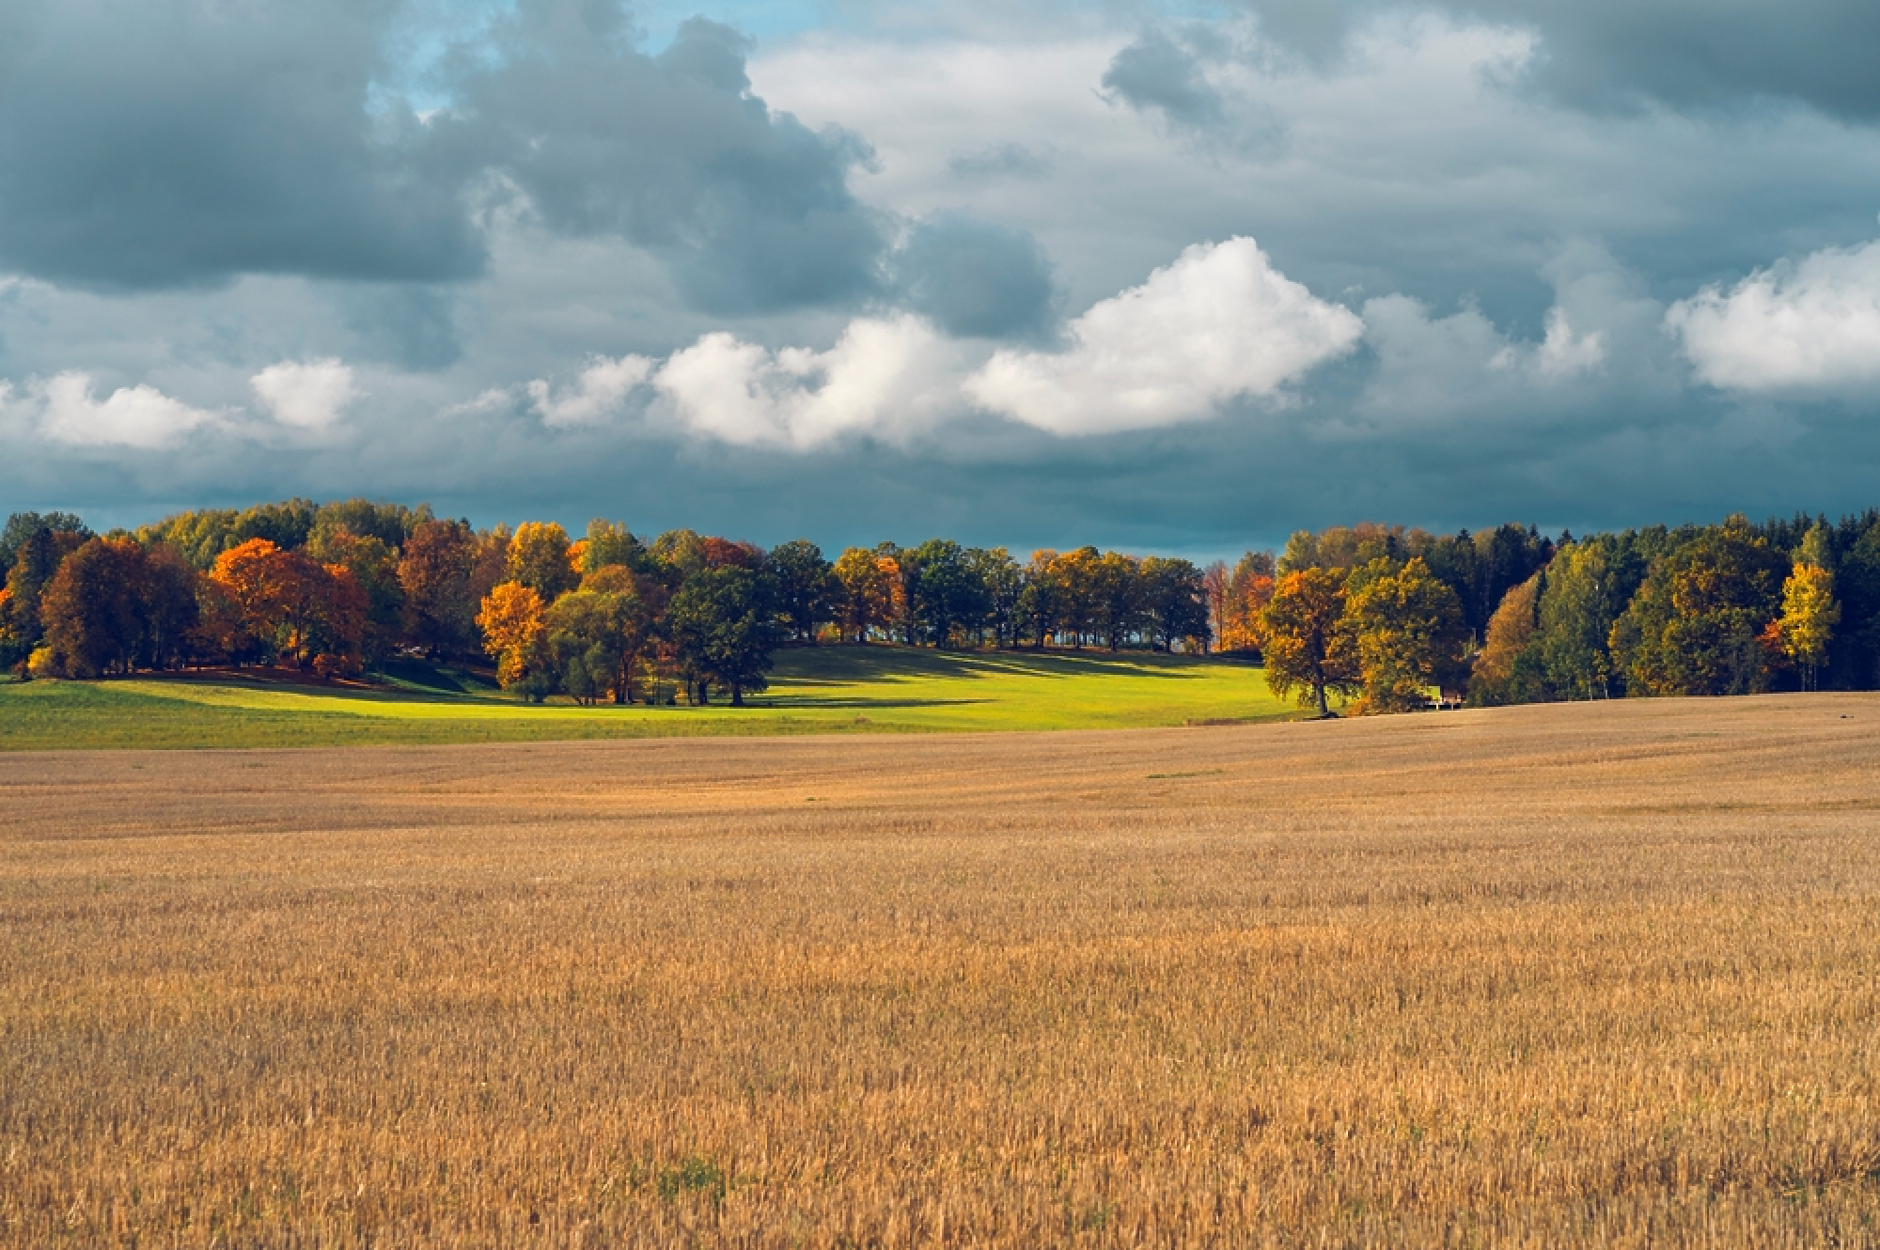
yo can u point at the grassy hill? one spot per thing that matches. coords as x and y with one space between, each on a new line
817 690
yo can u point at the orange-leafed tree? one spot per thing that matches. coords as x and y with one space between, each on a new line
514 633
291 607
1309 649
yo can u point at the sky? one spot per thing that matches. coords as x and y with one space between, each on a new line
1170 277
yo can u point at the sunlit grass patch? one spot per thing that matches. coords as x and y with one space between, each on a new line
875 689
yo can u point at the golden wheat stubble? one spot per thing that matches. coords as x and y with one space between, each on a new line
1602 975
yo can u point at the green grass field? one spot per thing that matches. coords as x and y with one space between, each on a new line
819 690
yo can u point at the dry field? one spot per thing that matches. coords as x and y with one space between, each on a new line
1552 975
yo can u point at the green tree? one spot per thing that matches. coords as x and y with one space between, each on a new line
1409 634
609 542
1002 580
724 627
287 525
948 596
1308 649
1175 603
809 595
1577 608
1119 609
594 637
21 526
1697 623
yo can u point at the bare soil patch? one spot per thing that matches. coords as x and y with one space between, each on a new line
1592 974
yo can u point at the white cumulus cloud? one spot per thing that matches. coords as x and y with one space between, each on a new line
307 395
132 416
1812 324
600 390
885 375
1218 323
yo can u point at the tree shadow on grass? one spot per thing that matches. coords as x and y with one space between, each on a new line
851 663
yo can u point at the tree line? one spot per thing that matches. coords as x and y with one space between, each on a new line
1386 616
340 588
1375 617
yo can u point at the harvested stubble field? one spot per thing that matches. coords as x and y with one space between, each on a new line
1551 975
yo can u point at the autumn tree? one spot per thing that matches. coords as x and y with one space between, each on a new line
373 566
38 550
515 634
1809 615
91 611
293 607
724 628
1508 670
868 591
436 572
538 559
1308 649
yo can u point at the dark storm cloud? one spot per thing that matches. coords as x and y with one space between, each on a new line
974 278
750 208
153 143
1157 72
1684 53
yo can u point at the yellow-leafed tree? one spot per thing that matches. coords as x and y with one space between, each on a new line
1809 615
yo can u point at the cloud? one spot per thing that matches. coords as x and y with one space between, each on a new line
600 391
308 395
883 376
133 416
975 278
750 209
168 143
149 143
1684 53
1564 354
405 324
1156 72
1002 160
1810 325
1220 322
